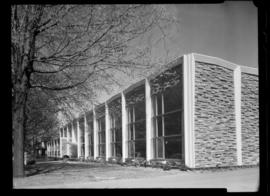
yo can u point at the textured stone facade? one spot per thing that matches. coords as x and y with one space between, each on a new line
215 136
250 119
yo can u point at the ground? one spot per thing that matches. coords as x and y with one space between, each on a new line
57 174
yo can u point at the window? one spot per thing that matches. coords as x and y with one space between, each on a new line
69 129
168 123
137 130
91 137
81 126
101 136
65 132
116 135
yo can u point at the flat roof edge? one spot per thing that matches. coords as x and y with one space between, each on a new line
223 63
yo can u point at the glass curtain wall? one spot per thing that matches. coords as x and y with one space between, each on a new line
167 96
90 124
115 127
81 125
100 115
136 122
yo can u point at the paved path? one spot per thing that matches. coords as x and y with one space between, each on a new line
234 180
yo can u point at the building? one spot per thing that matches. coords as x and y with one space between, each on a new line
201 110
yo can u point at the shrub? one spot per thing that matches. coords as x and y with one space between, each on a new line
31 162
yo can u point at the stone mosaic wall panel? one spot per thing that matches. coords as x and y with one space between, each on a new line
250 119
215 136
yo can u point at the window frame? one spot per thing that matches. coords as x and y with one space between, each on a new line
100 131
163 137
132 141
113 129
91 137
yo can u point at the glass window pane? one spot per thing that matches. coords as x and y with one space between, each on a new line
91 127
112 150
140 130
118 135
159 123
160 147
173 147
173 98
91 150
99 137
140 110
112 135
173 124
103 136
140 148
154 147
154 126
130 114
102 150
159 104
130 132
102 123
118 149
91 139
131 149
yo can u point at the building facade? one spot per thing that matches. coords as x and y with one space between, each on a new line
201 110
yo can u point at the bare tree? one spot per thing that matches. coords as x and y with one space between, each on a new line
62 52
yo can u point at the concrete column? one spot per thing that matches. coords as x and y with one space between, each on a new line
78 138
61 152
73 133
189 88
95 134
237 107
49 151
149 114
68 141
86 138
107 132
124 128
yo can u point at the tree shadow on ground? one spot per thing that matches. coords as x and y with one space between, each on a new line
44 168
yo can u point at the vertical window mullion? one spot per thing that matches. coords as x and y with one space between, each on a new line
133 124
163 127
156 121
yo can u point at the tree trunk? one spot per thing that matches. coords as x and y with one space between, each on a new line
18 139
18 125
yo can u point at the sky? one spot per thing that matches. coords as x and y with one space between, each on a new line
228 30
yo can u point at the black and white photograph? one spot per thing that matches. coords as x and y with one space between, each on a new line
131 96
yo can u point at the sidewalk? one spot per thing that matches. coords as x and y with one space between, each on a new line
242 179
